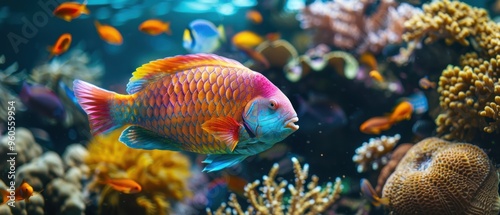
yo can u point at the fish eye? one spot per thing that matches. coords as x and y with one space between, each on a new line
273 104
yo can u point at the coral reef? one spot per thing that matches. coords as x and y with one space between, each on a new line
318 58
8 78
25 146
469 94
345 24
375 152
471 98
163 176
61 181
314 200
389 168
439 177
59 74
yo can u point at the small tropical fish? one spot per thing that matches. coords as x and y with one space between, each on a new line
155 27
203 37
71 10
369 60
123 185
271 37
236 184
371 195
246 39
201 103
254 16
419 102
23 192
109 33
62 44
376 76
425 84
376 125
401 112
256 56
43 101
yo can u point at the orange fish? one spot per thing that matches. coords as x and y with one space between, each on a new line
370 194
376 125
71 10
236 184
155 27
402 111
109 33
254 16
425 83
23 192
271 37
376 76
368 59
256 56
123 185
62 44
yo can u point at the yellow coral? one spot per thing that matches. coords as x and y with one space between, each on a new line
453 21
313 200
162 174
469 96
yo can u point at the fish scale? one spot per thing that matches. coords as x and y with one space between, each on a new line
200 103
178 119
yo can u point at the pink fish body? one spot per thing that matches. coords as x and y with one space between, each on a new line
200 103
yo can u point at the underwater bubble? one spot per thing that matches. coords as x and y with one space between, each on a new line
226 9
103 13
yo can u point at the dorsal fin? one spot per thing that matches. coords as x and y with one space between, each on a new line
175 64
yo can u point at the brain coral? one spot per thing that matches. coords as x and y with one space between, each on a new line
439 177
163 176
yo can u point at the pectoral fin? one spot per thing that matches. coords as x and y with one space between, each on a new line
218 162
225 129
370 194
140 138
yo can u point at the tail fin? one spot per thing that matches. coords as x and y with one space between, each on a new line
96 103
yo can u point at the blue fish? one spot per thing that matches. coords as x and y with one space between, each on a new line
203 37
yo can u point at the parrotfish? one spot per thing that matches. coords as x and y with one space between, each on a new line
203 37
201 103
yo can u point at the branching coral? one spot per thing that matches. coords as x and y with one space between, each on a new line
60 74
344 23
163 175
470 97
374 153
439 177
314 200
470 94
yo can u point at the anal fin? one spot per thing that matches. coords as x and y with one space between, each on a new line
140 138
219 162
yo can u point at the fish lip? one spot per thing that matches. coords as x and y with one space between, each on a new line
291 123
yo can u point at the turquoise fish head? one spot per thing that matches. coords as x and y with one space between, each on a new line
270 116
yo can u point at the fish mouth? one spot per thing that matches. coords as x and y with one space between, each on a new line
291 123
